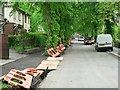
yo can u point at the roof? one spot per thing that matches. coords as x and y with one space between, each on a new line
22 11
18 9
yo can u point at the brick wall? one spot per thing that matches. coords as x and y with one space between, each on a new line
8 29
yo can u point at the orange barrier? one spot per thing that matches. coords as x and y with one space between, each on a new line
56 52
22 78
69 42
18 78
52 52
62 47
32 71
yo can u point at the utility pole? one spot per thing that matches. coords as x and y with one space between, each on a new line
4 48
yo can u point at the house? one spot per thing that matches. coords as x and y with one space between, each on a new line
1 17
17 21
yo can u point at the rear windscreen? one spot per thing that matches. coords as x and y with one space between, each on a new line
104 39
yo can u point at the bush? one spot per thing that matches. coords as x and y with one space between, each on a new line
31 39
117 43
36 39
14 40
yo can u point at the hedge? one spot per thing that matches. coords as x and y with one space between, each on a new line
14 40
36 39
117 43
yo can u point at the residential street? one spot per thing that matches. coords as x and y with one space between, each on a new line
46 44
83 67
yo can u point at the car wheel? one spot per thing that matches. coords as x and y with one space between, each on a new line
111 48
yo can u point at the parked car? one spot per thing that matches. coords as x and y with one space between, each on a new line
88 40
104 42
81 38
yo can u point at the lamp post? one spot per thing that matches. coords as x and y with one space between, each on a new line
4 48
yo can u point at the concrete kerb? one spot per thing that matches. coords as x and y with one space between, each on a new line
115 54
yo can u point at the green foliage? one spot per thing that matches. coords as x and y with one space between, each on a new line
117 43
14 40
36 39
31 40
61 20
5 85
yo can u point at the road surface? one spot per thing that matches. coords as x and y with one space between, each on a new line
83 67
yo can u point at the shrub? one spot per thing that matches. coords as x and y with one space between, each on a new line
31 39
117 43
14 40
36 39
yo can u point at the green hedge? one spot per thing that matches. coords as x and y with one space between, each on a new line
14 40
36 39
117 44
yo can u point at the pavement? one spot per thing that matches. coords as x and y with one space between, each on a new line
13 55
20 62
83 67
116 50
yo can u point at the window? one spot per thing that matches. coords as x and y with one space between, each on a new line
0 10
28 20
14 15
25 19
19 16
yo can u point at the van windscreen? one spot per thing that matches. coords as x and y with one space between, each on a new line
104 39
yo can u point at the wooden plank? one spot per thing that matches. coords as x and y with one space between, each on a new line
56 58
50 62
44 66
52 65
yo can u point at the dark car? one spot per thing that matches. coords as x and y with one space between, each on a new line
88 40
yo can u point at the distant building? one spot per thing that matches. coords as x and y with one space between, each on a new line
18 21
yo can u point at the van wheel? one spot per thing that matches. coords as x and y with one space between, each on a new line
97 49
111 48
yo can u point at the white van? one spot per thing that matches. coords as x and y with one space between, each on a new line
104 41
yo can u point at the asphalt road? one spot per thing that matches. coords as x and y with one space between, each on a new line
83 67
